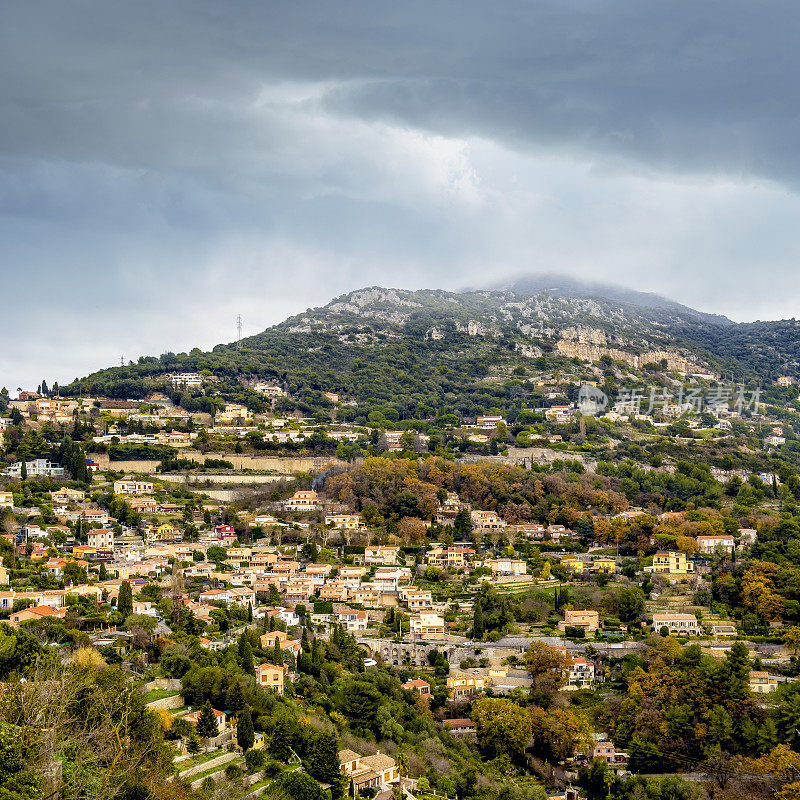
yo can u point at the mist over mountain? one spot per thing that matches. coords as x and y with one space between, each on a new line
561 285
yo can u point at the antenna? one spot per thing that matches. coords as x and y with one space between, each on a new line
239 331
122 361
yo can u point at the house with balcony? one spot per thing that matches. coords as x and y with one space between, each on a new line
427 625
672 562
721 542
351 620
677 624
463 684
377 772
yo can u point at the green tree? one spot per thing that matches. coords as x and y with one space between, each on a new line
207 723
323 760
300 786
503 727
361 701
463 524
279 741
245 736
125 599
234 699
17 781
477 621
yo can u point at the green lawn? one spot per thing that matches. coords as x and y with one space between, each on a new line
200 758
239 762
158 694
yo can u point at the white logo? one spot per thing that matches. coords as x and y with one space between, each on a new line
591 400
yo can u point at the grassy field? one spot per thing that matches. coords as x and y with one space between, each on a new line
158 694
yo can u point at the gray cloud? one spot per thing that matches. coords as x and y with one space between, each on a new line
166 166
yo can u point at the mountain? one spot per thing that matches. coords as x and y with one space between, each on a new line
567 286
470 349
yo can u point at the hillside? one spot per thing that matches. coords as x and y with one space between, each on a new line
442 348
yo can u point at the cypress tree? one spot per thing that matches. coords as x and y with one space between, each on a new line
245 735
477 622
277 654
125 600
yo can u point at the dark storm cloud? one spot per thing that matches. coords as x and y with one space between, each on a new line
687 85
164 166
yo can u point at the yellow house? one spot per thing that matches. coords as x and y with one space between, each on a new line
762 682
464 684
607 565
162 533
269 676
672 562
573 564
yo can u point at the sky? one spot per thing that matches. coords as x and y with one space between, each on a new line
165 167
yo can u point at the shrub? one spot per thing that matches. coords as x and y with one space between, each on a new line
254 759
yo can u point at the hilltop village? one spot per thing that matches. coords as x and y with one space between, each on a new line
275 596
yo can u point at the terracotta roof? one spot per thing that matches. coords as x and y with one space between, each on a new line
379 761
346 756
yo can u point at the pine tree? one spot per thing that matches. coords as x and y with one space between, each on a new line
462 524
234 699
125 600
279 744
193 746
323 760
477 622
207 723
245 735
